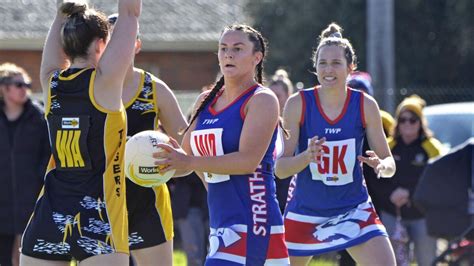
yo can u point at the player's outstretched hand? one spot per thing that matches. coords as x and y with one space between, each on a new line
373 161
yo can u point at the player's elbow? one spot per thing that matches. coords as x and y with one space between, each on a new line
280 172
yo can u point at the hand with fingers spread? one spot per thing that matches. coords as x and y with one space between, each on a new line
373 161
172 157
315 149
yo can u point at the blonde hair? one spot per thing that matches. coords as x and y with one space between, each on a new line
9 70
281 78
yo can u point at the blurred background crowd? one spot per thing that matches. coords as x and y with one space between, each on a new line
415 59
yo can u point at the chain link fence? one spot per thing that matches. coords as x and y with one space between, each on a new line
432 95
437 95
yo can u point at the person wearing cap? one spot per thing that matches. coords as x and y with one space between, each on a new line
362 81
150 104
412 145
24 154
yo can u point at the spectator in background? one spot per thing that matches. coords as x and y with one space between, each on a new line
363 81
24 153
412 144
360 80
282 86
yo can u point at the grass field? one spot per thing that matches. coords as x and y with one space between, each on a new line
179 259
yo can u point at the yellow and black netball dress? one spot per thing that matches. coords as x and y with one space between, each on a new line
81 211
149 209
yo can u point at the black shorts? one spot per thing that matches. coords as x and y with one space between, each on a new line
149 214
67 225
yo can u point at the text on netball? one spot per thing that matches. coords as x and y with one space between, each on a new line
154 142
148 170
259 206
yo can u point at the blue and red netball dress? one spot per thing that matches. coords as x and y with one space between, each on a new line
330 208
245 220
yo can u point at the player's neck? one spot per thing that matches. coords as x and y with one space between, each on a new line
332 96
234 88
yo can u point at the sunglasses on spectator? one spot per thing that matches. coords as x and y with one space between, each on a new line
21 84
403 120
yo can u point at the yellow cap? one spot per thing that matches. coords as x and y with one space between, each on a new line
412 103
387 121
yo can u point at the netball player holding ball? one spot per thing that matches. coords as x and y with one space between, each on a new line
230 142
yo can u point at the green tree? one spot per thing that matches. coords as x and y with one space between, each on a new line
292 28
434 40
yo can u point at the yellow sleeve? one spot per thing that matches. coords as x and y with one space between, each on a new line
432 147
391 142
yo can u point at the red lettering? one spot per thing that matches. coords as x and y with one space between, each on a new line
323 167
199 144
206 144
338 160
212 144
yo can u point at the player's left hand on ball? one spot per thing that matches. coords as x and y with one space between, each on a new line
172 156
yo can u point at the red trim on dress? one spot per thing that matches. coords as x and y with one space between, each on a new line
276 247
362 114
214 112
303 108
242 108
341 115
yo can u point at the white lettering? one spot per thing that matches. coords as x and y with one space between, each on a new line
259 205
332 130
210 121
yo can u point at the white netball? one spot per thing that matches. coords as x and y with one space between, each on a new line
139 162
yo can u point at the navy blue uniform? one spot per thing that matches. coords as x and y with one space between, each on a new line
81 211
149 209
